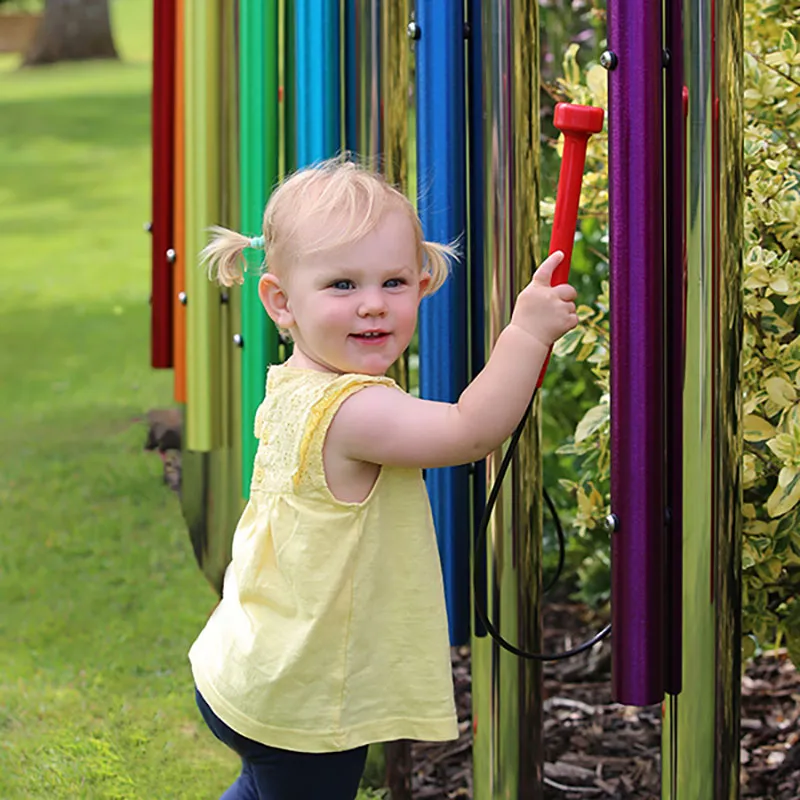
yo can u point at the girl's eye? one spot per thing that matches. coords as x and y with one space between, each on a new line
342 285
393 283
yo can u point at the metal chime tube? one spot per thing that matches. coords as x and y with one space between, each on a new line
674 254
637 342
702 742
395 72
287 98
394 99
506 691
230 325
317 67
163 147
179 217
203 357
210 496
367 80
443 337
258 158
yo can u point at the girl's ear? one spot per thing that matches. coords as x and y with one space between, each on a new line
275 301
424 282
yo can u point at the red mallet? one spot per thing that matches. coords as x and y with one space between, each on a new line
577 123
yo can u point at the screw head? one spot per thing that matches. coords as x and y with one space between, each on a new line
148 227
609 60
171 256
182 298
413 31
238 339
612 523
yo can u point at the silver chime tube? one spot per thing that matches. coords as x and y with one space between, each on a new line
506 691
701 735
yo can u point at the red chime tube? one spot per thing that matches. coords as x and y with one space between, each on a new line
163 134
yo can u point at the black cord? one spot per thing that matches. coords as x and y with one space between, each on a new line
482 613
562 547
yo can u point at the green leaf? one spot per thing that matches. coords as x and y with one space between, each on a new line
757 429
789 44
780 391
786 494
774 323
568 342
593 420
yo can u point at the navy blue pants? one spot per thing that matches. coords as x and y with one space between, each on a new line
269 773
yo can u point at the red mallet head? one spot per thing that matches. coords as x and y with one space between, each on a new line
585 120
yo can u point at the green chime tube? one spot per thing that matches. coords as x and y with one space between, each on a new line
258 158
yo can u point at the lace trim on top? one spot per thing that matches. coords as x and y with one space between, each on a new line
293 419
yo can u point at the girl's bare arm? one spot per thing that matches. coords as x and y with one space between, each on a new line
381 425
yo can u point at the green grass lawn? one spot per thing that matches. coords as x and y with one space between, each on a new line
99 594
100 597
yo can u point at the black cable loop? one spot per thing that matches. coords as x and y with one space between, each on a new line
562 547
482 613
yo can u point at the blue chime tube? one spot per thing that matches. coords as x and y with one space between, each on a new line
443 337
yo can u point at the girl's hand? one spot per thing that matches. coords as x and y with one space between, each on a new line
546 312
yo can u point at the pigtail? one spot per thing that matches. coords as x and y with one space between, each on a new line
436 262
224 255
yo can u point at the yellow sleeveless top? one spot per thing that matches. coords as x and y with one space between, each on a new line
332 629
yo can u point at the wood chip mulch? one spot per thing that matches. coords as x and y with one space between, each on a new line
598 749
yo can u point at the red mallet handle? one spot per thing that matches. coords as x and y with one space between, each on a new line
577 123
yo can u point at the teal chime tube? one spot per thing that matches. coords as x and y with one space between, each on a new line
258 154
317 84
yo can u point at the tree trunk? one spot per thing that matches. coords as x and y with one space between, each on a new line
72 30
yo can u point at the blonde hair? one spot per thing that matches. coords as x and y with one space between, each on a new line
329 192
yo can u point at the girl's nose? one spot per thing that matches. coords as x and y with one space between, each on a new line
372 304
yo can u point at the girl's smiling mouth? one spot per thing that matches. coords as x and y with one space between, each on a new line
371 337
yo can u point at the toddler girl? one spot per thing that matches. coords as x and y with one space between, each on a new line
332 631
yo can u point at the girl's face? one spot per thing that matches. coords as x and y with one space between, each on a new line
352 308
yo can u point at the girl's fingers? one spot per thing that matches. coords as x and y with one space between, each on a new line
544 275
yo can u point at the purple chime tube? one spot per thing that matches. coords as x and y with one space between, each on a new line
634 59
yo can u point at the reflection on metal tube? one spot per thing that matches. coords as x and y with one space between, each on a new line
704 744
395 84
392 117
368 79
727 490
506 691
675 283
